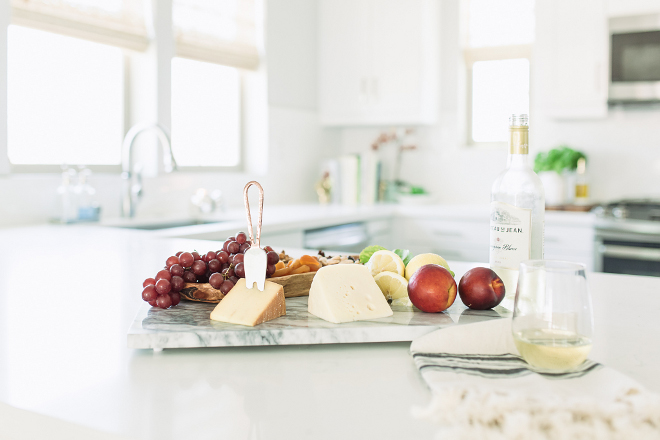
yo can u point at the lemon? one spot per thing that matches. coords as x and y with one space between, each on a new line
385 261
424 259
393 285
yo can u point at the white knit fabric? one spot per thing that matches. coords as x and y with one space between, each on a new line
482 389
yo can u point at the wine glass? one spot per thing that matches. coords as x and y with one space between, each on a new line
552 318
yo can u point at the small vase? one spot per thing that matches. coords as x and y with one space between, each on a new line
553 184
570 179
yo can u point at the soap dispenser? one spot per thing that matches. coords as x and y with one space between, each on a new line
88 207
66 204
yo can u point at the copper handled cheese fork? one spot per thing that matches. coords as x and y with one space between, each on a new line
255 259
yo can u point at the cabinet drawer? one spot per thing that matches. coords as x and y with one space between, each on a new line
569 238
378 227
466 254
446 231
585 258
282 240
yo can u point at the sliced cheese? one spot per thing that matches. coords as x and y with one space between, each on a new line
345 293
250 306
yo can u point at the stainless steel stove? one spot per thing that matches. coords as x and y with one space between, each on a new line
628 237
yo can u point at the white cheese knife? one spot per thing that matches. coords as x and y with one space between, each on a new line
255 259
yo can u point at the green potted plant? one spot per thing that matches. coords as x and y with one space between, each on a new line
556 169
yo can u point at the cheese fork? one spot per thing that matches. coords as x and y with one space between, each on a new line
255 259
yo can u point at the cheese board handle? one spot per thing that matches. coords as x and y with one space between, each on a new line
247 211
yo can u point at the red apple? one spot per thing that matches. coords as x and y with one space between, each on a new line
432 288
481 288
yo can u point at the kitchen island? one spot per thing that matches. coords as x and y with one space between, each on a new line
68 295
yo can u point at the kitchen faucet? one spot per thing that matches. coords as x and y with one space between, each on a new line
131 192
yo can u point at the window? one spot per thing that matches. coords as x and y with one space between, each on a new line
72 96
64 100
497 50
206 107
214 40
499 88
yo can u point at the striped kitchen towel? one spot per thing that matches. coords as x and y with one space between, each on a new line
483 389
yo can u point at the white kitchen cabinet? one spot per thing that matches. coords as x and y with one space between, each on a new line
378 62
282 240
570 59
570 243
457 239
379 232
467 239
618 8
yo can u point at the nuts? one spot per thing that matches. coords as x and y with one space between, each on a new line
338 259
284 257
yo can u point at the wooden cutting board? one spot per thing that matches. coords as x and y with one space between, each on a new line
294 285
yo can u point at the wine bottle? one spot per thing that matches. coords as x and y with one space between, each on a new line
517 210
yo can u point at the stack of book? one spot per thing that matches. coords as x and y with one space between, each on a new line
355 178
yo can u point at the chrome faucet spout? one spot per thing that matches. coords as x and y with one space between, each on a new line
131 193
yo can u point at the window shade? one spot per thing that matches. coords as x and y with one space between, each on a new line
114 22
217 31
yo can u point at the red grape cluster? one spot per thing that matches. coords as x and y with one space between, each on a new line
221 269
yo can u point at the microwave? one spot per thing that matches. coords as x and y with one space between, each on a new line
634 59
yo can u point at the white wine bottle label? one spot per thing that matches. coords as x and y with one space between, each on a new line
510 235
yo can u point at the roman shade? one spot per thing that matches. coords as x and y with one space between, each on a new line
115 22
217 31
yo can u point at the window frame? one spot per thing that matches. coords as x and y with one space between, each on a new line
240 166
160 62
51 168
489 53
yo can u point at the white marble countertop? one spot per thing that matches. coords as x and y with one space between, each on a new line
278 218
68 294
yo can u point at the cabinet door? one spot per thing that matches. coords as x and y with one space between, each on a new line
403 75
283 240
570 61
570 243
378 62
343 60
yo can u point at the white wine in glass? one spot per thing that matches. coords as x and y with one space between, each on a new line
552 320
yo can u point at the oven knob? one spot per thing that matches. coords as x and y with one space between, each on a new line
619 212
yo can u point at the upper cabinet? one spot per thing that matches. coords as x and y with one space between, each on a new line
378 62
632 7
570 59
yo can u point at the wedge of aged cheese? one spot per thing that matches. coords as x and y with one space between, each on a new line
250 306
345 293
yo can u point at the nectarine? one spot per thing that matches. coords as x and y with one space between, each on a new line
481 288
432 288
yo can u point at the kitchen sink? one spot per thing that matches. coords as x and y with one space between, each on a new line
166 225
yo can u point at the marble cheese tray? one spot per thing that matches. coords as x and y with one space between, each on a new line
188 325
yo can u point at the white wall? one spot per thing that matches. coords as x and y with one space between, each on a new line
291 45
623 149
4 23
296 142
